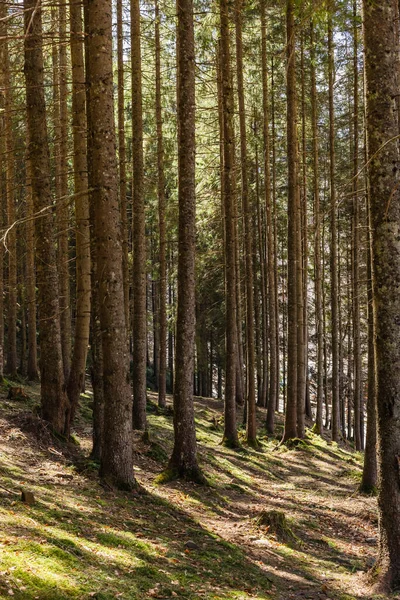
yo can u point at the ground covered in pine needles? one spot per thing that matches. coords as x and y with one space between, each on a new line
276 524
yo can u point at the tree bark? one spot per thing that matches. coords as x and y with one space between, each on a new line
82 218
183 462
162 381
11 364
231 335
317 243
251 428
139 235
333 246
116 461
290 430
54 401
382 69
273 351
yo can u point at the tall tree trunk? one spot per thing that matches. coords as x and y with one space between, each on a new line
356 249
54 401
370 469
83 287
251 427
32 366
3 50
122 158
273 351
116 459
382 77
11 364
62 204
161 221
317 243
183 462
139 234
231 371
290 430
333 248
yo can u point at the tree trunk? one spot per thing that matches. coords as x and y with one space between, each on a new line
231 361
162 381
62 201
116 460
183 462
83 287
370 470
291 405
382 69
32 366
356 250
251 428
273 351
54 401
317 244
333 248
139 235
122 159
11 364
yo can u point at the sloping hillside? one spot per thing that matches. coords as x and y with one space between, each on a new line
79 540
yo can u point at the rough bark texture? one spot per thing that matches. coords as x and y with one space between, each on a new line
251 428
122 158
317 242
162 373
139 237
32 366
117 460
291 405
62 201
370 469
382 68
3 49
231 336
359 443
11 242
82 235
333 246
273 351
54 401
183 461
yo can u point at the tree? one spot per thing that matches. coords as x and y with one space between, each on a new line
251 428
317 241
333 223
228 195
76 378
139 234
162 372
382 68
183 462
291 406
11 364
116 459
54 401
273 395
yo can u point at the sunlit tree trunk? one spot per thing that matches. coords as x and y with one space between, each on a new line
382 79
183 462
116 458
290 430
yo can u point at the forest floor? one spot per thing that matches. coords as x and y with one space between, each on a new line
81 541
